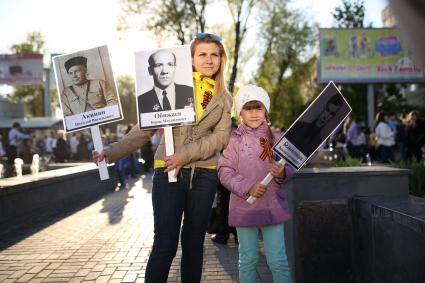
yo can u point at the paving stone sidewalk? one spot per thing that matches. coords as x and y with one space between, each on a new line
107 241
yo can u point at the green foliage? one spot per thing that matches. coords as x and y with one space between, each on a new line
416 177
390 98
356 95
283 72
240 11
179 19
348 162
128 100
34 43
32 96
350 14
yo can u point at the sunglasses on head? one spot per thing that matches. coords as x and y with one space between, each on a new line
202 35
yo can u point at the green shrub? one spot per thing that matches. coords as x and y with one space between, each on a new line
348 162
416 176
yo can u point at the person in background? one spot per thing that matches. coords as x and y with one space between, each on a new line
61 151
83 152
2 150
351 131
51 143
415 136
385 137
15 139
121 166
219 223
73 146
251 144
400 136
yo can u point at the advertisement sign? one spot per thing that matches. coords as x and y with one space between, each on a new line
87 90
313 127
164 87
367 56
21 69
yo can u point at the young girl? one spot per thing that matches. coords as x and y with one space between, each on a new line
247 159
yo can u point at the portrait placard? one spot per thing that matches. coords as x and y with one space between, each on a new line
164 87
313 126
87 90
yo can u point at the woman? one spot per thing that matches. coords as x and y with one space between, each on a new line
351 132
385 138
415 134
195 162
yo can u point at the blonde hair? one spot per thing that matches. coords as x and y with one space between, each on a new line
220 86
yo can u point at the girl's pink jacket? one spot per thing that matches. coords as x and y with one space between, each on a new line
240 167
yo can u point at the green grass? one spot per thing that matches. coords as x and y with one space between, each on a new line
416 177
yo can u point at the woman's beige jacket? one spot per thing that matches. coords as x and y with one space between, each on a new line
197 146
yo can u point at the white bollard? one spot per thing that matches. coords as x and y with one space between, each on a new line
35 165
18 166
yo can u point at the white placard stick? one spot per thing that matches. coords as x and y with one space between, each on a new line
169 150
265 182
98 146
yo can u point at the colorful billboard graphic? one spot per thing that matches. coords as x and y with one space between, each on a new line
367 56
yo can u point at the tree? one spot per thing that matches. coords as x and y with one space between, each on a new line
350 14
32 96
285 37
174 18
128 101
240 11
34 43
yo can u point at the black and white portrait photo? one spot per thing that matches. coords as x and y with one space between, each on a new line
313 126
164 87
87 89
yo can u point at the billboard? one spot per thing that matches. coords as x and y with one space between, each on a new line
366 56
21 69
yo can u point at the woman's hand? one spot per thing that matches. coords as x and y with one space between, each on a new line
257 190
173 162
278 170
98 157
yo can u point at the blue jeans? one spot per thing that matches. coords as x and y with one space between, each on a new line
170 202
274 244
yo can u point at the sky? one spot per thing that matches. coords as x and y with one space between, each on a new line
70 26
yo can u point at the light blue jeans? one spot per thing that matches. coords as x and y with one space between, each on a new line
274 245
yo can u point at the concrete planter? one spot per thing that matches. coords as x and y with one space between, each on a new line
55 190
318 238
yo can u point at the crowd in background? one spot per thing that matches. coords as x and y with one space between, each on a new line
394 137
56 146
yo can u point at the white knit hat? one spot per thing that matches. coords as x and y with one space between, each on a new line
249 93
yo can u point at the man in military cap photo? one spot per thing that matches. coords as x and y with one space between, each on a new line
84 94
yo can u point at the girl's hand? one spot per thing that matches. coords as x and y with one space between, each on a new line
257 190
173 162
278 170
98 157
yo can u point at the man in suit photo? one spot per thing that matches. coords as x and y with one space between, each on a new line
165 95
